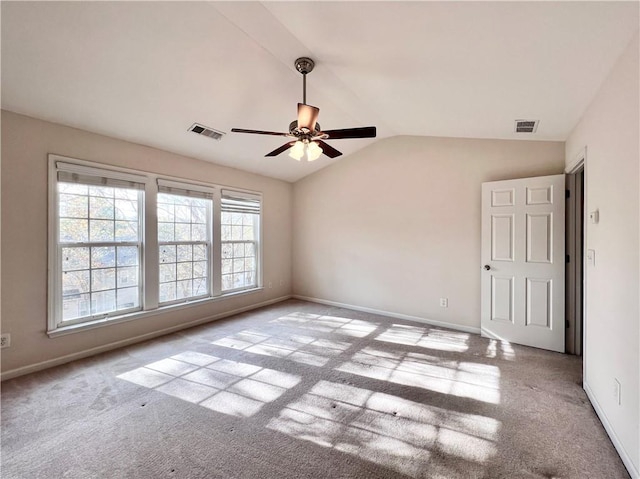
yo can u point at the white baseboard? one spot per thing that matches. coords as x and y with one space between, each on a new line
431 322
31 368
633 470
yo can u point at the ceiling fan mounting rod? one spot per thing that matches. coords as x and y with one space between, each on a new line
304 65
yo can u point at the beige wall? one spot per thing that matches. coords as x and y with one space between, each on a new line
609 131
396 226
25 145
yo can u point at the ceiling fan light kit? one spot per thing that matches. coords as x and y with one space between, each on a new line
306 130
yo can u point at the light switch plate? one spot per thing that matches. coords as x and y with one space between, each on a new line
591 257
594 216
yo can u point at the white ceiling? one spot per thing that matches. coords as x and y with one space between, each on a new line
145 71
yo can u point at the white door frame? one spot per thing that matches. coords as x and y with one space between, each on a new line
580 162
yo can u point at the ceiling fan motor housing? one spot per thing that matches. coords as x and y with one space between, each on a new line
305 65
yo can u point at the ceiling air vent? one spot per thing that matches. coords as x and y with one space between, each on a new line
526 126
206 131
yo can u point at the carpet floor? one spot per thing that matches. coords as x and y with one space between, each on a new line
301 390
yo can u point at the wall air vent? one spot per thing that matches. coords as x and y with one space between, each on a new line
526 126
206 131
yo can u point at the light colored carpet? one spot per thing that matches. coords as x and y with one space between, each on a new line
300 390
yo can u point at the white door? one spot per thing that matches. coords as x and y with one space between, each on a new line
523 258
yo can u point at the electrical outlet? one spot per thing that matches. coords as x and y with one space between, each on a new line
5 340
616 391
444 302
270 285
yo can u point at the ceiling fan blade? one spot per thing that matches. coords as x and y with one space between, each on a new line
283 148
328 150
307 116
259 132
363 132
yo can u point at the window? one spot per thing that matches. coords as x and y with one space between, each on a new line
184 239
239 226
98 244
108 263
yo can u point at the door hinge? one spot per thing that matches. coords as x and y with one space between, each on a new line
568 259
566 323
567 193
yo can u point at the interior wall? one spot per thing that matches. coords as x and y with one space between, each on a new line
26 142
396 226
610 132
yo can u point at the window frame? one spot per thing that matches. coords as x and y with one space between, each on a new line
149 280
209 244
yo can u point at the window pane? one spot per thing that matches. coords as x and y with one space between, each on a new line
238 250
103 257
127 277
103 302
75 306
198 232
73 188
127 255
184 289
101 230
101 191
126 194
247 233
126 231
227 266
238 265
75 282
127 298
200 286
102 279
199 252
250 264
126 210
227 250
183 232
167 292
185 252
227 281
184 271
167 272
165 232
101 208
200 269
74 230
167 254
183 214
250 249
225 232
199 215
236 233
75 258
165 212
73 206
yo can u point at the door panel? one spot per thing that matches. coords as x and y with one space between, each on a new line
523 247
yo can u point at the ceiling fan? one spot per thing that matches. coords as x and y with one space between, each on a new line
308 137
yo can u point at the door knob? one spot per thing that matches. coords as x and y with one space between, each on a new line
487 267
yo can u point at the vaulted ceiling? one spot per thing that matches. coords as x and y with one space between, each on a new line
146 71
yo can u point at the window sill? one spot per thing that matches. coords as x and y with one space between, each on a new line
98 323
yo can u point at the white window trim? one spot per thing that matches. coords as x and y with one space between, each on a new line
149 249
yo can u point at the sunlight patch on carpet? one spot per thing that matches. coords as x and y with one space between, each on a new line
425 337
228 387
462 379
386 429
302 349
